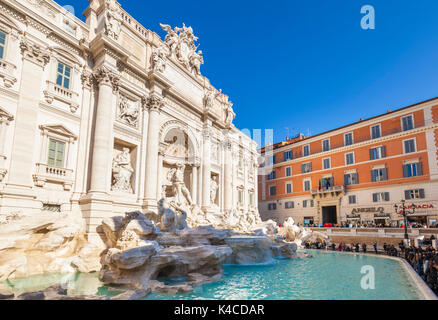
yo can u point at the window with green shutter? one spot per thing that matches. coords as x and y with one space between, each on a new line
2 44
56 153
63 76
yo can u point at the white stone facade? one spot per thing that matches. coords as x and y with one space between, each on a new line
97 117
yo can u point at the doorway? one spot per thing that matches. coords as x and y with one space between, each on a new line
329 215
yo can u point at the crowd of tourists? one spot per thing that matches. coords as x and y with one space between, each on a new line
373 225
423 259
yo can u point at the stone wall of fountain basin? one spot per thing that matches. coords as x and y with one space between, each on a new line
141 256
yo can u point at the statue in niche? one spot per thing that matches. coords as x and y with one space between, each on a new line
176 149
214 186
182 193
128 112
113 19
122 172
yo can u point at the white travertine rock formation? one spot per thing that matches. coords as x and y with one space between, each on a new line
300 235
45 243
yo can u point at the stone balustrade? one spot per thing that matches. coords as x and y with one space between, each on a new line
62 94
46 173
7 73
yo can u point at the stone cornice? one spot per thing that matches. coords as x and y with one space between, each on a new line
358 145
34 53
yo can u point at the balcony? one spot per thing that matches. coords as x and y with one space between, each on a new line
45 173
7 73
67 96
333 191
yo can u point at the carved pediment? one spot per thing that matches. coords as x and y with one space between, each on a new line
60 52
60 130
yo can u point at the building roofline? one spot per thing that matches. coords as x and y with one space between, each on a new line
279 144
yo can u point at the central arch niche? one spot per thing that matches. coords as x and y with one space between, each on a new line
178 147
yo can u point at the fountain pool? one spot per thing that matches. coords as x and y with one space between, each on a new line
327 276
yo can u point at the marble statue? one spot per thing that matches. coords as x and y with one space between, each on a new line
230 115
158 61
122 172
129 112
196 60
209 97
171 220
214 186
180 189
181 44
112 19
176 149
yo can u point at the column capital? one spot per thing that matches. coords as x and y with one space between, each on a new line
87 79
207 133
153 103
108 77
34 53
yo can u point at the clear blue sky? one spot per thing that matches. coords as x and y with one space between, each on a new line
306 65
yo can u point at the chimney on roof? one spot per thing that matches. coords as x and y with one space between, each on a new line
389 111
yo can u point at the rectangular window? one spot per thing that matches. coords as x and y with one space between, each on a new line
415 194
306 151
272 190
271 175
412 170
289 205
56 153
251 198
326 163
328 183
409 146
288 155
326 145
348 139
381 197
271 160
407 123
307 185
306 167
272 206
63 76
2 44
288 171
352 199
351 179
375 132
241 197
308 203
378 175
289 188
377 153
349 158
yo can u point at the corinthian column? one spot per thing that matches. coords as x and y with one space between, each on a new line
206 169
103 134
228 176
154 103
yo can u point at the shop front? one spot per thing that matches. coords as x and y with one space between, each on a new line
353 219
309 221
382 219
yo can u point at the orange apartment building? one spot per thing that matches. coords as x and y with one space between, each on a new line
357 172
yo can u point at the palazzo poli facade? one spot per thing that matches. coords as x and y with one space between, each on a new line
103 117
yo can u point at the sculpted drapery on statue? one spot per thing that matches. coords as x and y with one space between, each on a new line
214 186
181 44
122 172
182 193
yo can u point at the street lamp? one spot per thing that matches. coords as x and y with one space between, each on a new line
404 212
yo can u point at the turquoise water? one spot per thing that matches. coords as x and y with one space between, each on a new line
326 276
